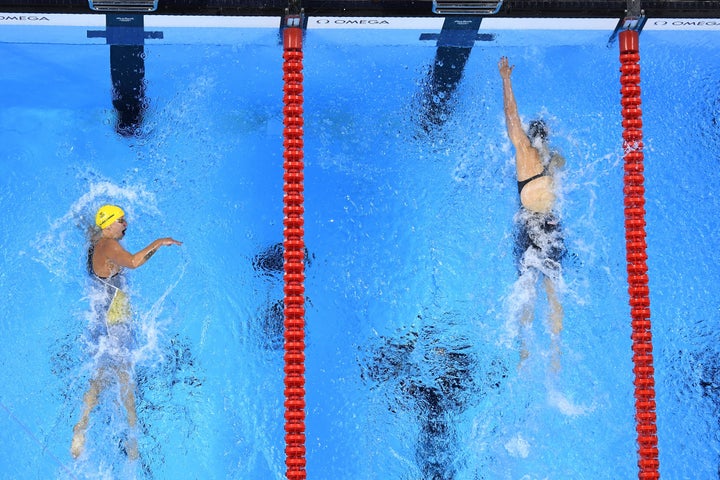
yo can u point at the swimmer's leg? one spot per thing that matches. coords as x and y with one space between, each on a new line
556 308
90 401
556 320
127 392
527 311
526 318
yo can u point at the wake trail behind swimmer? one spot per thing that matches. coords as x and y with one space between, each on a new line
107 261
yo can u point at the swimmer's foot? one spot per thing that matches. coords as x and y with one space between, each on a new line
556 354
555 363
78 442
131 448
524 354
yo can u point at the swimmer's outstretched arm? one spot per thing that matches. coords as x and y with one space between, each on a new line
512 117
118 255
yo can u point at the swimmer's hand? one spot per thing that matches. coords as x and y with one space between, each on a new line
166 242
150 250
505 68
557 161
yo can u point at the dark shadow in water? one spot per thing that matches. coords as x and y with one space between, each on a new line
272 325
707 376
164 389
125 33
269 264
454 44
437 100
436 377
127 69
167 391
270 261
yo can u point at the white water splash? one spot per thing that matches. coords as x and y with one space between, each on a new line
63 241
566 406
523 295
518 447
151 328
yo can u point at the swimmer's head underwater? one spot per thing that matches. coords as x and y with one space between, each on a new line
538 130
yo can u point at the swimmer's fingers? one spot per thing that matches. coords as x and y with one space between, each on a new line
504 66
170 241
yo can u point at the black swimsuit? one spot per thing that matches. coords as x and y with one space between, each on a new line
113 286
521 184
112 307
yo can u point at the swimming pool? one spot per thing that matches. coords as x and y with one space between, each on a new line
412 356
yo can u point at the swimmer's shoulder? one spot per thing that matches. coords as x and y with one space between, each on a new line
102 266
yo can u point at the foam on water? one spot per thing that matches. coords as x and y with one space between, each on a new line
518 447
566 406
64 239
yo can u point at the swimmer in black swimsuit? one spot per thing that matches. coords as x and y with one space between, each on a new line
539 244
106 261
116 306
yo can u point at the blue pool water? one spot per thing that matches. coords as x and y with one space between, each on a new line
412 337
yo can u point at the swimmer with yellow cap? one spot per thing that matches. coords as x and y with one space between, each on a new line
109 257
106 259
107 215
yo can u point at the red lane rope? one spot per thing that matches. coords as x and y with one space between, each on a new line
294 254
636 257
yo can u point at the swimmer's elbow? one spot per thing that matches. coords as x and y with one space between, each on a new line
133 265
137 260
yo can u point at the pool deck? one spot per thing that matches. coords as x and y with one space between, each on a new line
390 8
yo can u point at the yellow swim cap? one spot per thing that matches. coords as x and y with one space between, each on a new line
107 215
